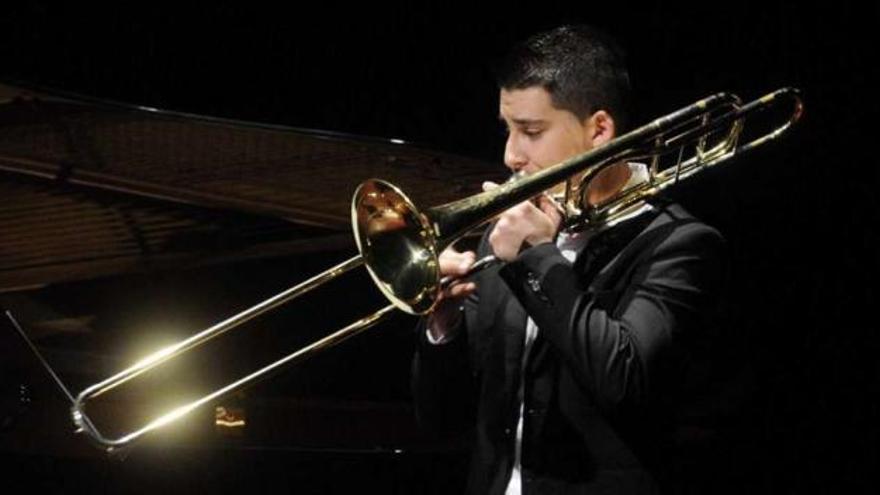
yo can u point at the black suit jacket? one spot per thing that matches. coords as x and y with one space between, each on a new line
610 373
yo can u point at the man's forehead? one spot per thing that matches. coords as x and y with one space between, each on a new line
525 106
531 94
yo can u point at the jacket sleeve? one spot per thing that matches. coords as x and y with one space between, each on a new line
443 381
445 378
618 347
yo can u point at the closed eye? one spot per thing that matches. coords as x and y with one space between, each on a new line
532 133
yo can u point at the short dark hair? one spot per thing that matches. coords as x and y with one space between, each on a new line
582 68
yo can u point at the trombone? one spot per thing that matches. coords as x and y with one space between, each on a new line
400 244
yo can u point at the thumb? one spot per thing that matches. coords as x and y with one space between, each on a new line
489 185
551 208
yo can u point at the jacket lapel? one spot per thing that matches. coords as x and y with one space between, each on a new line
514 342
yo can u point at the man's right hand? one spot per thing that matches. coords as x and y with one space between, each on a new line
446 315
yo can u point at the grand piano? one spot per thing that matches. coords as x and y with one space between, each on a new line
125 228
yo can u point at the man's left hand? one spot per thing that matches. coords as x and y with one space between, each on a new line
526 223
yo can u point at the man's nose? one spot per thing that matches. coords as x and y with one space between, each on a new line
514 158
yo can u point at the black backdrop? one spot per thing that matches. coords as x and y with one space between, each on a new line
800 217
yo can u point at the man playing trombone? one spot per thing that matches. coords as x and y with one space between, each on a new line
575 359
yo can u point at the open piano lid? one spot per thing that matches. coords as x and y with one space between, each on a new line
95 188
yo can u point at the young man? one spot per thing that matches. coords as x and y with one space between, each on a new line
573 358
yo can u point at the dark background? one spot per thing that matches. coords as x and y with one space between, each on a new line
800 216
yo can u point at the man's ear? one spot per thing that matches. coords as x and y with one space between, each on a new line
600 128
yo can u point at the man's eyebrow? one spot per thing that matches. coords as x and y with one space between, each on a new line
521 122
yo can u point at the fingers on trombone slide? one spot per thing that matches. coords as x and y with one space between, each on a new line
461 268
